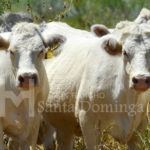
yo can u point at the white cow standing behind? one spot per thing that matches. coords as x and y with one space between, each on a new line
68 32
26 49
87 68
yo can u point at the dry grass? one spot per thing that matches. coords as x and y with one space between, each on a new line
108 142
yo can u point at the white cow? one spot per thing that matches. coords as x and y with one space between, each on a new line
141 121
26 77
69 32
102 78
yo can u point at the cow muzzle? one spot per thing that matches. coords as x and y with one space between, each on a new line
141 83
28 80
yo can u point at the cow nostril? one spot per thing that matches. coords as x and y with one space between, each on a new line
147 81
134 80
34 78
21 79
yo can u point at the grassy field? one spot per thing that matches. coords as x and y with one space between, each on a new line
109 143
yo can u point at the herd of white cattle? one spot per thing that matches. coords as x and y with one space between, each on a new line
94 79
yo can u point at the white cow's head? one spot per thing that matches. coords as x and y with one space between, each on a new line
27 47
134 46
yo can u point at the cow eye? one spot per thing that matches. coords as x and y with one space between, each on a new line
12 53
126 54
41 52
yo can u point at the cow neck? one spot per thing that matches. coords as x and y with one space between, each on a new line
121 85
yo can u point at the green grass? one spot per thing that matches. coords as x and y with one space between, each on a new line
83 13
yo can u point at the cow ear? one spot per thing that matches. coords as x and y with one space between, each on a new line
4 41
54 41
99 30
112 46
143 17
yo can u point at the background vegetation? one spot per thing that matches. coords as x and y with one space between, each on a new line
78 13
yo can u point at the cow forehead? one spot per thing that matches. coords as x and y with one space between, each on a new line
26 36
25 27
132 27
136 29
21 43
137 44
135 34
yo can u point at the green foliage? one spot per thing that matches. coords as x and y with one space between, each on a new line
47 10
79 144
144 139
5 5
108 142
108 12
78 13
